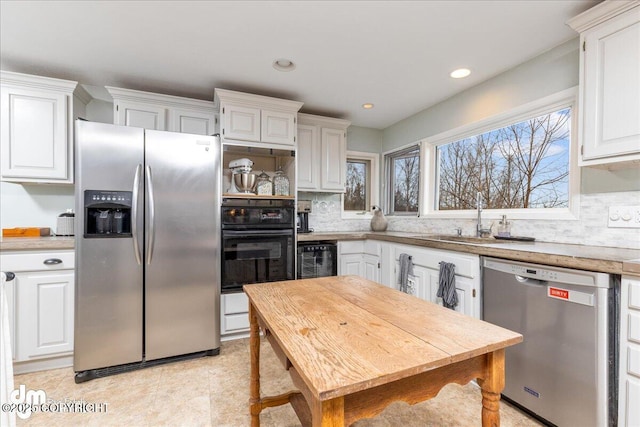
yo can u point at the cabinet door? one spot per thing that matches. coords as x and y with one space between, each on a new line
467 302
611 88
234 309
334 159
194 122
351 264
308 156
422 282
371 267
278 127
242 123
9 289
45 314
140 115
35 143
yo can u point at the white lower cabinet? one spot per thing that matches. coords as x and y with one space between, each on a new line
45 316
42 311
629 385
359 258
426 270
378 261
234 315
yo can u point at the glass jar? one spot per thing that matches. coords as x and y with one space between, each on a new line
264 186
280 183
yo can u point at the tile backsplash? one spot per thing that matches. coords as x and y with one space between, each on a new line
590 229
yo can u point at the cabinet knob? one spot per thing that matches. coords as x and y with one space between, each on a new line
9 276
52 261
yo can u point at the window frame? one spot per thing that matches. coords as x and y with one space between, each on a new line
564 99
374 183
388 188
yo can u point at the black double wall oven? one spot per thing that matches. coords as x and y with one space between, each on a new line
258 241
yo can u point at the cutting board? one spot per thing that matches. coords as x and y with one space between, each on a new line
26 232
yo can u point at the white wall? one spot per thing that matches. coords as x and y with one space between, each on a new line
33 205
544 75
364 139
549 73
38 205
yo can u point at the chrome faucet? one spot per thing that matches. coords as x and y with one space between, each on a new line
481 232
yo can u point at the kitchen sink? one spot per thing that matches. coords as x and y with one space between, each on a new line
460 239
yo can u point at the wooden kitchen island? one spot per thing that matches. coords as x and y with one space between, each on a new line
353 346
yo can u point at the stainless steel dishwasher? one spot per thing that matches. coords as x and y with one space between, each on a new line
564 371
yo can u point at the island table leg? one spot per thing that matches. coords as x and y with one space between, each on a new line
492 385
328 413
255 405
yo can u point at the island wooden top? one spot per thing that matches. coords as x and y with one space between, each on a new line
346 334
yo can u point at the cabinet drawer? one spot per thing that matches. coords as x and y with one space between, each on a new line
634 327
466 265
634 295
236 303
236 322
355 247
633 360
16 262
371 248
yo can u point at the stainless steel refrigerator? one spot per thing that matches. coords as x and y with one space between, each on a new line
147 248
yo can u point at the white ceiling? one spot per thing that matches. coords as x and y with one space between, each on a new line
394 54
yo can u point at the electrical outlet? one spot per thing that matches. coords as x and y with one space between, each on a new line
624 217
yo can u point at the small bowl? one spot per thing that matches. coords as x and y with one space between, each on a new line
245 182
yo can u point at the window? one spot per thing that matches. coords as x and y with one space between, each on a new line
403 180
356 197
361 187
522 163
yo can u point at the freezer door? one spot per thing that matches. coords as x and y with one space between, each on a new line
182 261
108 291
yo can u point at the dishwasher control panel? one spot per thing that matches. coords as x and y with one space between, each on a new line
549 273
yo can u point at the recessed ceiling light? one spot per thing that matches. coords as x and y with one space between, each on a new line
460 73
283 64
367 106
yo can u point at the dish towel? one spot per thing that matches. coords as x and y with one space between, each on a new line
447 285
6 370
406 273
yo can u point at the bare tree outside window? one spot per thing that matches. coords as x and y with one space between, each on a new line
355 198
524 165
404 181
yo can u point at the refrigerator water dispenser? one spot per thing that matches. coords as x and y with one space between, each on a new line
107 213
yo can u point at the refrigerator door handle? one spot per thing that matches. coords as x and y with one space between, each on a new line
152 216
134 213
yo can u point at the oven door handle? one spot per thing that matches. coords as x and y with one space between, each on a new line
256 233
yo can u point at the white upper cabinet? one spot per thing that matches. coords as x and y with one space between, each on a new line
609 120
278 127
241 123
322 153
162 112
256 118
36 118
308 157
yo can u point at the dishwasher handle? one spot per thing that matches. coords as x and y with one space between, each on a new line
529 281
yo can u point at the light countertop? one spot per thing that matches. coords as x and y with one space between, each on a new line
593 258
36 243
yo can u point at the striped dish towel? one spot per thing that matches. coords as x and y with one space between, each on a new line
447 285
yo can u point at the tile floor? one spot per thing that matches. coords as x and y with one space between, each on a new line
214 391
